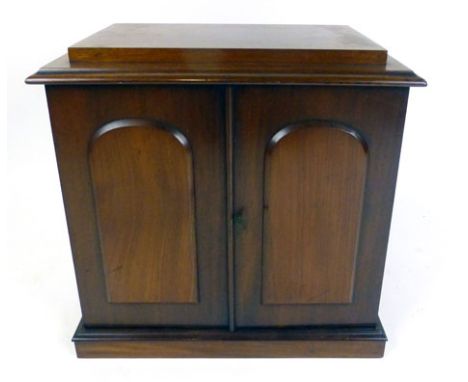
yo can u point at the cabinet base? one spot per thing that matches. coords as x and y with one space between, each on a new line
336 341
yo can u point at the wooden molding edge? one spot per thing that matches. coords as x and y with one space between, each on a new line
320 342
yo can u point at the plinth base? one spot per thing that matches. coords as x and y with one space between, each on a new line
336 342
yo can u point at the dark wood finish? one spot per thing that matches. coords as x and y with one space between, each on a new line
77 115
279 46
340 342
313 191
228 189
231 349
144 195
230 208
377 116
61 71
252 54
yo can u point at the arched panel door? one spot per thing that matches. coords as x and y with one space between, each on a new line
312 202
143 179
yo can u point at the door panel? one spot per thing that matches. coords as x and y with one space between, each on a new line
314 183
142 170
314 171
143 189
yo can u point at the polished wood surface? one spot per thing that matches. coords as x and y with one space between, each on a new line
142 176
340 342
313 192
231 261
281 46
77 115
62 71
231 349
228 189
377 115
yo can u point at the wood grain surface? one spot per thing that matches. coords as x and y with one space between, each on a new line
260 112
228 189
62 71
313 193
77 115
354 341
231 349
281 46
144 195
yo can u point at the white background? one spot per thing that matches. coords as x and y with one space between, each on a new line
424 299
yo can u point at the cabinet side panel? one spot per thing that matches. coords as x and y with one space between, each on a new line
143 188
314 185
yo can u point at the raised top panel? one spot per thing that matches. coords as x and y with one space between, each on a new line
242 45
227 54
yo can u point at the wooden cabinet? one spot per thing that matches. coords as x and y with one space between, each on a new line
228 189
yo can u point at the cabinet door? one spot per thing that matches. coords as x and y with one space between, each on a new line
315 171
142 172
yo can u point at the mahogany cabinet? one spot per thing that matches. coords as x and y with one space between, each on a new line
228 188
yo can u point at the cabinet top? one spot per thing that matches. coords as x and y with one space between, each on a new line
205 43
229 53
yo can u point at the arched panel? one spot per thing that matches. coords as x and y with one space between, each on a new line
142 177
313 192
